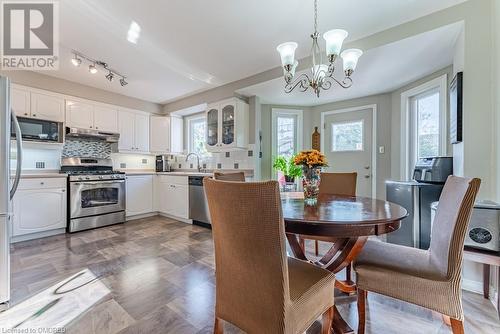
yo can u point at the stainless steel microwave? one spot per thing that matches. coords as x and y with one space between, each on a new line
33 129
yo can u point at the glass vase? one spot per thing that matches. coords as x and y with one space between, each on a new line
310 183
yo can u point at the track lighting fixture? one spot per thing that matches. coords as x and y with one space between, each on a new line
110 76
94 64
76 61
92 69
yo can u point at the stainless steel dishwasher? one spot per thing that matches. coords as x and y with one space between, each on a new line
198 207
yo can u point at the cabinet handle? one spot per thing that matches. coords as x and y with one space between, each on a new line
91 126
96 127
42 183
63 190
25 114
34 115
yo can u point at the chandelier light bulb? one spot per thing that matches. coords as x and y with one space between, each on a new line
334 40
92 69
350 58
287 53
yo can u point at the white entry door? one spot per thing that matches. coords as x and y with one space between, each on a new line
348 146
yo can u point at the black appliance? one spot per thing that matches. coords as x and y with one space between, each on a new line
39 130
456 108
416 196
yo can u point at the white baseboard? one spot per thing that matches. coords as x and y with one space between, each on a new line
37 235
144 215
152 214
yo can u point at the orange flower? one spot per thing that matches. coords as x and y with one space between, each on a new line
310 158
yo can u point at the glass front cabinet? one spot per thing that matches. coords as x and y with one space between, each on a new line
227 125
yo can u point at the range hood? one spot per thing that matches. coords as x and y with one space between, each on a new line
109 137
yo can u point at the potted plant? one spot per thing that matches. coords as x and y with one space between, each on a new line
310 162
287 167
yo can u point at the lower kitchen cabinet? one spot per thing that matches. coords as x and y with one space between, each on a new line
39 205
172 195
139 194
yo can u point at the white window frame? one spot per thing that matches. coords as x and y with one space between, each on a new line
189 120
406 151
362 121
277 112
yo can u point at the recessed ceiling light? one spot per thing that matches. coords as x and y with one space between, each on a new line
92 69
123 82
134 32
110 76
76 61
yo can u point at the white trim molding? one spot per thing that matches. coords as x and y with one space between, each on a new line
441 83
373 107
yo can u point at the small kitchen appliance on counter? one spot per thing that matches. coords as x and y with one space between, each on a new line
162 164
96 193
416 196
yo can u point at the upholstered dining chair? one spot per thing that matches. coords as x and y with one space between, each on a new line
334 184
237 176
429 278
258 288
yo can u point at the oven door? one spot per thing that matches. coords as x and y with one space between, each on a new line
90 198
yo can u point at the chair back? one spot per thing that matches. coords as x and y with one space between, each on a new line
252 285
338 183
450 224
237 177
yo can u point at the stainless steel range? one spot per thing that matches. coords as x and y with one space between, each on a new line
96 193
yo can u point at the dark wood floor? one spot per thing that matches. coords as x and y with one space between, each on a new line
160 274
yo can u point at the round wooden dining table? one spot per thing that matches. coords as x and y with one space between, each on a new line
345 222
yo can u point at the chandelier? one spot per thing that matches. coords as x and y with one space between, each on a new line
321 76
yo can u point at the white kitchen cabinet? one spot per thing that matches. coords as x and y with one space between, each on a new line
79 114
142 132
39 205
227 125
139 194
172 195
134 131
106 118
160 134
47 106
20 101
167 134
177 134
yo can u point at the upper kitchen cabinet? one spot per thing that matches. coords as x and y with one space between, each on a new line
79 114
36 103
227 125
47 106
20 101
106 118
166 134
134 131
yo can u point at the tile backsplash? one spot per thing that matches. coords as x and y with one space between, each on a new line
86 148
240 159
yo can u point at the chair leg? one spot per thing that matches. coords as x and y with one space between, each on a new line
457 326
362 294
326 325
218 326
316 247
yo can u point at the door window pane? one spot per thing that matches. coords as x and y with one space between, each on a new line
197 129
286 136
347 136
427 108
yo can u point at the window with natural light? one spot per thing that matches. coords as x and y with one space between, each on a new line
347 136
427 128
286 136
197 135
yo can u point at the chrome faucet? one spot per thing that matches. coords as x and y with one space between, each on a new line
197 160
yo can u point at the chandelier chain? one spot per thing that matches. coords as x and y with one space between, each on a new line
315 16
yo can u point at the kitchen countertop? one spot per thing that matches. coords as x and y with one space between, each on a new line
35 174
248 172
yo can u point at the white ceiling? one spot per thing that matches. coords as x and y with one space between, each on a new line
379 70
187 46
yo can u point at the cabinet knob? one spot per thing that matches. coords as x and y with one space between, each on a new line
96 127
91 126
63 190
34 115
42 183
25 114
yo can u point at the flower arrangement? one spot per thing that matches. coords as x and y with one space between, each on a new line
310 159
311 162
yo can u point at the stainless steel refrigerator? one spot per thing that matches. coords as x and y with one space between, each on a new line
8 184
